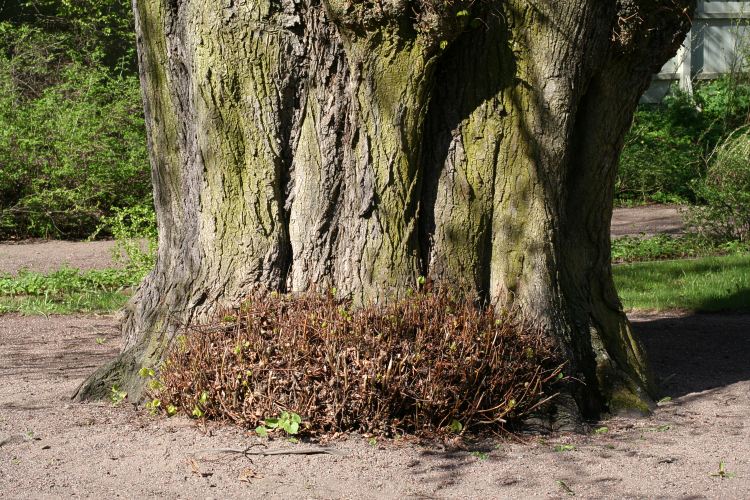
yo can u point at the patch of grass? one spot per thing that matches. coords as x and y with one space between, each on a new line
662 246
722 472
66 291
100 303
703 285
564 447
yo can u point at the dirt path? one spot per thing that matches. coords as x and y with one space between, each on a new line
48 256
650 220
53 448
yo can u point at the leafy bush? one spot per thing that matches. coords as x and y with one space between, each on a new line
725 190
420 364
134 230
71 148
725 106
661 155
668 145
93 30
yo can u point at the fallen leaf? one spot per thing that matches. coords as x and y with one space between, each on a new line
248 474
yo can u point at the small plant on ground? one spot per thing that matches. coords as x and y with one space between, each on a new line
117 395
153 406
567 489
455 426
722 472
564 447
287 422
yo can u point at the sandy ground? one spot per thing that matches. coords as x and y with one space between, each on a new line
47 256
53 448
650 220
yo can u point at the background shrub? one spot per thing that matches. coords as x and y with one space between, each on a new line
725 192
669 145
661 154
71 155
415 365
135 234
72 133
90 31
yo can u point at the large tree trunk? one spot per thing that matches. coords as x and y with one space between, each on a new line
305 143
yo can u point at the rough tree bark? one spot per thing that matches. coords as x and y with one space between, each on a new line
361 144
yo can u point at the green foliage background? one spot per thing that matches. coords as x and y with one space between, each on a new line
669 147
72 133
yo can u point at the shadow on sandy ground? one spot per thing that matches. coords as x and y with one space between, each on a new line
696 352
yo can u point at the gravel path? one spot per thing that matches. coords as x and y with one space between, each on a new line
52 448
46 256
650 220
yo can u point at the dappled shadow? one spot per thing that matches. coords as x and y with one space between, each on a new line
737 299
447 466
697 352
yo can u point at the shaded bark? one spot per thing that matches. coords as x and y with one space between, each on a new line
359 145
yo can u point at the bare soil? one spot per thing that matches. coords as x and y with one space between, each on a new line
648 220
51 447
46 256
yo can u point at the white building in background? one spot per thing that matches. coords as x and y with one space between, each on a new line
720 38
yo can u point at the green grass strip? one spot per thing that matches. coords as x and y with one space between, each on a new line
703 285
67 291
663 246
